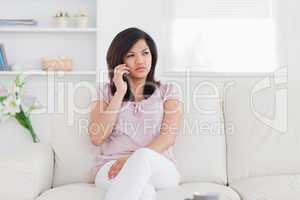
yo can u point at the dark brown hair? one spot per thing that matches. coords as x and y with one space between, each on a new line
119 47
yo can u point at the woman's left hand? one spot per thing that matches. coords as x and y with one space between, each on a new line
116 167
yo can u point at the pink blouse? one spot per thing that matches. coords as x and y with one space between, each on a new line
138 123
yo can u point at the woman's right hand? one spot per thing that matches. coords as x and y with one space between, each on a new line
121 85
116 167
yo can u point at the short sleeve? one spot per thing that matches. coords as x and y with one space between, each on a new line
102 92
171 91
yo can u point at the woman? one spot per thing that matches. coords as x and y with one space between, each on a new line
135 120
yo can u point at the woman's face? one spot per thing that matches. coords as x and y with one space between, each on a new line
138 59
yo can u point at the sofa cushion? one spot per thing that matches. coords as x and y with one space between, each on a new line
200 148
269 187
77 191
264 140
25 171
75 155
91 192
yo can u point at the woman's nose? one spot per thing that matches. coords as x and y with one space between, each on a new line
139 59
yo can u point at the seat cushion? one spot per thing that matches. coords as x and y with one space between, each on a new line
269 187
186 191
74 192
91 192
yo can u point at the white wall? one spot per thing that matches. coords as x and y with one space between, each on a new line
155 16
288 17
293 38
280 15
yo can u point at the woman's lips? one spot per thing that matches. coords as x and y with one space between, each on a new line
140 69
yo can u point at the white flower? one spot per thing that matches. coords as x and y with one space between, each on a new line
27 101
30 103
16 100
11 106
13 103
37 105
3 96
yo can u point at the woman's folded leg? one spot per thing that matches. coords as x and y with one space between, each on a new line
142 168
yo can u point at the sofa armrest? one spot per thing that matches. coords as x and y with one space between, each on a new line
26 171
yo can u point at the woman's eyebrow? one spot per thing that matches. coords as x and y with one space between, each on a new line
141 51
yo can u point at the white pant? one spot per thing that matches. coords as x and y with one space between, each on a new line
144 171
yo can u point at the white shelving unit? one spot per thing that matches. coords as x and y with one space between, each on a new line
26 45
48 30
45 73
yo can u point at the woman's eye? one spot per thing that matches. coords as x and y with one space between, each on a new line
130 55
146 52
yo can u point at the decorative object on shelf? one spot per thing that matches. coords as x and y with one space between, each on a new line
3 61
16 67
57 64
15 22
18 106
62 19
82 19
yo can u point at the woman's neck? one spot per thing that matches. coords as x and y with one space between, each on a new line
137 88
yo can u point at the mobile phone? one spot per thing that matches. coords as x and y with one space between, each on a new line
125 77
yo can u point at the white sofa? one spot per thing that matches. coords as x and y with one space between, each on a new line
226 146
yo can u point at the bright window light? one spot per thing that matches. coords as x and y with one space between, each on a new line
223 45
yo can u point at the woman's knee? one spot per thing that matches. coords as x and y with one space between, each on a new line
143 153
102 182
101 179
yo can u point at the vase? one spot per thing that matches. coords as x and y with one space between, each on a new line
82 22
61 22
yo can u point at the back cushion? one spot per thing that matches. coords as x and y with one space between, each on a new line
75 155
200 146
265 140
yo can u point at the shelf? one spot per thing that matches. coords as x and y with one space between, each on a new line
26 45
43 73
47 30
